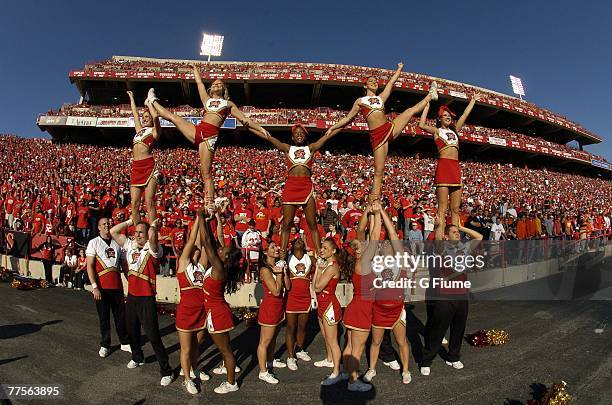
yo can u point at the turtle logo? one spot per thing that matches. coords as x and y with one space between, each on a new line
300 154
387 275
374 100
135 256
198 277
300 269
110 253
214 103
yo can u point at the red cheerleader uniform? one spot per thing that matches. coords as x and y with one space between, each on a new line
218 314
381 134
448 171
298 189
272 308
143 170
206 132
358 313
328 306
389 307
190 312
299 298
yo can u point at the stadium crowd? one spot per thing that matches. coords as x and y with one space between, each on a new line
344 72
310 117
61 189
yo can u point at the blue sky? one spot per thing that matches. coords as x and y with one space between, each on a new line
561 49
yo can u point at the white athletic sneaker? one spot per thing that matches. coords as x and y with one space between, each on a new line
303 355
126 348
104 351
151 96
393 365
191 373
133 364
367 377
425 370
332 379
323 363
267 377
455 364
203 376
190 387
359 386
70 284
226 387
444 341
406 377
292 364
433 90
277 363
222 370
165 380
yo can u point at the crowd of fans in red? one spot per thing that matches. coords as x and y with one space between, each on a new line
61 189
351 73
284 116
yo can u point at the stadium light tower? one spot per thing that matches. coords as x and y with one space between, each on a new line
211 45
517 86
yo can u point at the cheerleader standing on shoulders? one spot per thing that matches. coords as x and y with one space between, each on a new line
275 281
217 106
448 171
144 172
382 131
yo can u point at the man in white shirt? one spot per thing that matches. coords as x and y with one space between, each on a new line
497 230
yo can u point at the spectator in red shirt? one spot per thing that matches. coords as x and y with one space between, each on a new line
242 216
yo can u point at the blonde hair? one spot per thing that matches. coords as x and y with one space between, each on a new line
225 90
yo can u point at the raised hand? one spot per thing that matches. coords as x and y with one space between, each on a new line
130 94
477 96
400 66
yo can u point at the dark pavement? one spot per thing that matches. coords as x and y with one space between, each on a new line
51 337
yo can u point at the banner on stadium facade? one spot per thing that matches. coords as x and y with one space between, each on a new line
229 123
497 141
51 120
81 121
458 94
599 163
113 122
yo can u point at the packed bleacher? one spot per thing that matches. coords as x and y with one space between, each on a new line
60 189
142 67
324 117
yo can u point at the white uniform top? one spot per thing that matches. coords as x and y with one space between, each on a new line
300 267
108 255
371 104
195 274
448 136
217 106
299 155
136 256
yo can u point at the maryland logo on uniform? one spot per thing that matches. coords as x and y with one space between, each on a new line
373 100
214 103
300 269
299 154
135 257
110 253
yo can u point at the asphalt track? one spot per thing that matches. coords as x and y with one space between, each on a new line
51 337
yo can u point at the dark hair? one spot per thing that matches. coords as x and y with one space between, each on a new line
235 268
448 227
346 262
103 217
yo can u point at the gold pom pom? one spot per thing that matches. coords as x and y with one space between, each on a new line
497 337
557 395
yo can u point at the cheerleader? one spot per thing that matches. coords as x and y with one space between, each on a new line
217 107
448 171
222 277
388 309
326 278
275 281
358 313
298 306
144 171
190 312
382 131
299 190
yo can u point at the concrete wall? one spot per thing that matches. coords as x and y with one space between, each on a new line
250 295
